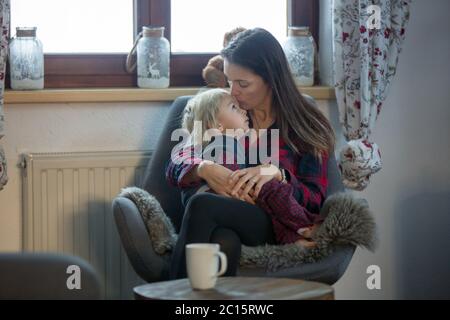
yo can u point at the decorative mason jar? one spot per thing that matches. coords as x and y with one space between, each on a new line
153 58
26 59
299 48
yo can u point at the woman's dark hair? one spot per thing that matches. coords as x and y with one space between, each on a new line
302 125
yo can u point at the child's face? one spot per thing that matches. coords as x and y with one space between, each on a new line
231 116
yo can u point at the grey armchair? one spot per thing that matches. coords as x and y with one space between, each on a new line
135 239
44 276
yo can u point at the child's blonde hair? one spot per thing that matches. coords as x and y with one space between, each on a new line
203 107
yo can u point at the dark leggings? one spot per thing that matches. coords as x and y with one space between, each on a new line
211 218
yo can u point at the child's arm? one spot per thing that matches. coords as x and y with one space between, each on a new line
181 169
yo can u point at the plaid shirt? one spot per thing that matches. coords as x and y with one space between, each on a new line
291 205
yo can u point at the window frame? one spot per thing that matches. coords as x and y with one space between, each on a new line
108 70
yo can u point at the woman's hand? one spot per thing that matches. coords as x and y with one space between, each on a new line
216 176
247 183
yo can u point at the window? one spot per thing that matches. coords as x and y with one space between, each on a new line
90 63
210 28
78 26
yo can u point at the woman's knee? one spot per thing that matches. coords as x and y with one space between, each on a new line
204 203
199 207
230 244
228 240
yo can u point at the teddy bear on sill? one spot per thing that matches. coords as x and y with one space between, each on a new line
213 72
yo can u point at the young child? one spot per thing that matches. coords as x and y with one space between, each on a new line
216 113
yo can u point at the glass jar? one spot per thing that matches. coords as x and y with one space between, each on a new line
299 48
26 60
153 58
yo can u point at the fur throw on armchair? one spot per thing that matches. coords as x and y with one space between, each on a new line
160 228
348 222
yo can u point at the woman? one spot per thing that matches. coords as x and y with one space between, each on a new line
260 80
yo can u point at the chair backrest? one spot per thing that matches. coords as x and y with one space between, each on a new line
154 180
169 197
45 276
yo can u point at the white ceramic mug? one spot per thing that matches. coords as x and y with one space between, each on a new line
202 262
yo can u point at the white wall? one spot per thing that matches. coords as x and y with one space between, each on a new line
410 196
326 42
68 127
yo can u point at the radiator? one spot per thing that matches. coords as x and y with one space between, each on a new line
67 208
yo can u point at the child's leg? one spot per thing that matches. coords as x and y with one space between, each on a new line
278 201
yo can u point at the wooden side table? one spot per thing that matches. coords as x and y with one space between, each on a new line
237 288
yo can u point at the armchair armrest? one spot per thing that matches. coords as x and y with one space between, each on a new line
137 244
43 276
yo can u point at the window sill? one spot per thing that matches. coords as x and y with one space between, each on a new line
126 94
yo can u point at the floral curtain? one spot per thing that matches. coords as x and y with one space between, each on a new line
368 37
4 24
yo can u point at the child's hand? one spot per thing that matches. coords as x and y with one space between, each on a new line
308 232
305 243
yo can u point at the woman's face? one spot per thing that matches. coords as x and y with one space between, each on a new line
248 88
230 116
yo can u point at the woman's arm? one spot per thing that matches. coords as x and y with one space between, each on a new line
310 181
186 170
